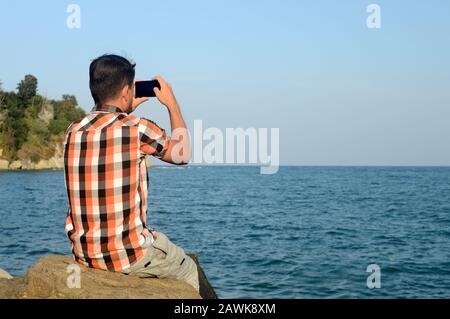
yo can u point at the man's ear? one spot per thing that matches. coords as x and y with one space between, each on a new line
124 92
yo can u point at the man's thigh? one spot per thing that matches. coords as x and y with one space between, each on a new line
164 259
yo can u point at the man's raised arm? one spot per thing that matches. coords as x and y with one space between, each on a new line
179 149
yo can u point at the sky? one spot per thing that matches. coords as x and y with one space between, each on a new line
339 92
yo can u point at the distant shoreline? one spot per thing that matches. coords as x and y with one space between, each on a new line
30 170
54 163
26 169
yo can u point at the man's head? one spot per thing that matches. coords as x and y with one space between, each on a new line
111 80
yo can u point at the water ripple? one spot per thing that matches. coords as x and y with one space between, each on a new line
304 232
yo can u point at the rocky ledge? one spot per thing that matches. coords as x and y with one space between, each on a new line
48 278
56 162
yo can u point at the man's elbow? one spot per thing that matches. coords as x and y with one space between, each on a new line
180 162
184 159
181 158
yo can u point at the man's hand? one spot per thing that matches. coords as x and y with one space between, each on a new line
165 94
138 101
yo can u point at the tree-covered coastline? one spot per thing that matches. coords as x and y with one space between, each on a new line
32 126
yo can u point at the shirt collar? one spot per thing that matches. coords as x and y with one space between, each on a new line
107 108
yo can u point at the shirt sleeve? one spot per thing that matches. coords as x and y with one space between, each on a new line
153 140
67 133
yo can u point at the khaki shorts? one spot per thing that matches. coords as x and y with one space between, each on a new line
164 259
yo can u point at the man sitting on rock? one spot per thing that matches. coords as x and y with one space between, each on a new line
106 177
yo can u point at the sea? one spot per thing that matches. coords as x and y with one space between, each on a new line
304 232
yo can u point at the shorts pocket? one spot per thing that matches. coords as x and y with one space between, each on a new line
161 243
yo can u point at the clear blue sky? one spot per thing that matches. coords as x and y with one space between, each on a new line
341 94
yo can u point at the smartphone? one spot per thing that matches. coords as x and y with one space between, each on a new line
145 88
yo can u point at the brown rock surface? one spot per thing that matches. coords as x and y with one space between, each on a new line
48 279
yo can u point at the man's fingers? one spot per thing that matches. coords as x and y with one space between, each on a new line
157 78
160 80
138 101
142 99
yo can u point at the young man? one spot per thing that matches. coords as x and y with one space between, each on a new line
106 177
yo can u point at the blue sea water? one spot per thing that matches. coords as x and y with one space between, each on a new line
305 232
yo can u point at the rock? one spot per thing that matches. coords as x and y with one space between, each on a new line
4 164
42 164
26 164
4 274
206 290
49 278
56 162
47 112
15 165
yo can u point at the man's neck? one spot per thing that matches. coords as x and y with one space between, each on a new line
116 104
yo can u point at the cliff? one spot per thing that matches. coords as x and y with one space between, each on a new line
48 278
55 162
32 127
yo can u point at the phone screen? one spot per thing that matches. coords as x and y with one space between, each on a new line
145 88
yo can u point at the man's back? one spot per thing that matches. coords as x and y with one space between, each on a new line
106 177
106 180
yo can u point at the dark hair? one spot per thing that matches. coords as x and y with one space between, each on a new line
108 74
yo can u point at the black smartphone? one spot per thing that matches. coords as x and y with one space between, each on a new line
145 88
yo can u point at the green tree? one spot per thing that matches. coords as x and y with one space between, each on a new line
70 100
26 90
14 131
66 111
24 132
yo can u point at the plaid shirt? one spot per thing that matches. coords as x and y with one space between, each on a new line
106 181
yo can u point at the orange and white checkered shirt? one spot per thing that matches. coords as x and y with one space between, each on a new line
106 181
